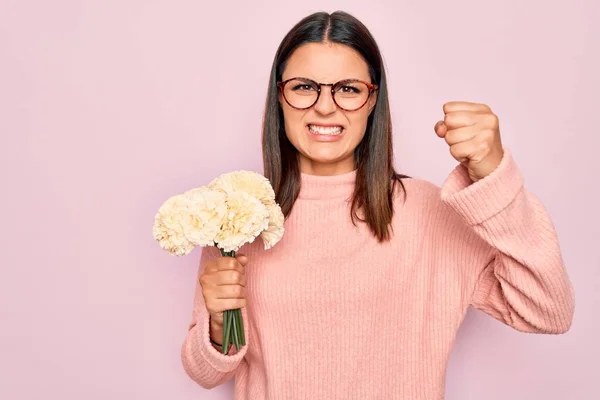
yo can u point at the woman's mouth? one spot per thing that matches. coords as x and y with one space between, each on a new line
325 130
321 133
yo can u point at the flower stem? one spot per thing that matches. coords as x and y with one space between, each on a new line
226 331
236 335
240 326
233 324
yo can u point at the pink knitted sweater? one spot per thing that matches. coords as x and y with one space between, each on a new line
333 314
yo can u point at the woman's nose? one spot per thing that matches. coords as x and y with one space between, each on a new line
325 104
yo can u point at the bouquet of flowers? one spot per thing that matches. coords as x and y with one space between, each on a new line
232 210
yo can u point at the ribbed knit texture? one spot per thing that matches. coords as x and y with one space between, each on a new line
333 314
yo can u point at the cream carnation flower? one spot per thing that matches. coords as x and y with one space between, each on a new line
274 232
259 187
169 223
250 182
190 219
207 210
246 218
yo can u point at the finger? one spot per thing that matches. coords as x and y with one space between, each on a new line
463 151
227 263
454 106
459 119
217 306
229 304
231 292
231 277
217 316
440 129
242 259
459 135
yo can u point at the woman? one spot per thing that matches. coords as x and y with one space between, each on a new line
364 295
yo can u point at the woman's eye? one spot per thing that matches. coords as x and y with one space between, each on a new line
302 87
349 89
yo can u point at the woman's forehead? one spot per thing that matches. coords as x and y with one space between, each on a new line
326 63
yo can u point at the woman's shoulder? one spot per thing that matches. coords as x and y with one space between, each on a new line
417 189
421 200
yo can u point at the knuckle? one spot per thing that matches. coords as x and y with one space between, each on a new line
491 119
484 146
228 263
216 315
210 306
237 291
453 151
448 137
203 279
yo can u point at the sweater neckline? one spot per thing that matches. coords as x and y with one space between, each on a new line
318 187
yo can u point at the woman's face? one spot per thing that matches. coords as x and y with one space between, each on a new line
324 134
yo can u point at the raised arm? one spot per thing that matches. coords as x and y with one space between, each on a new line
524 282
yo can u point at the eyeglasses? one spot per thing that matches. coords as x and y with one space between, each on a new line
347 94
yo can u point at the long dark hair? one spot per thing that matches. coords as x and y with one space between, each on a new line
376 178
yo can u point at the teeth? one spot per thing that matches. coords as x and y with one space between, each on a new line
325 130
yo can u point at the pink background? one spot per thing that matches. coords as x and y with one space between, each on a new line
109 107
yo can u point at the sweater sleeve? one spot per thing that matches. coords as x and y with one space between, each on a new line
201 361
523 282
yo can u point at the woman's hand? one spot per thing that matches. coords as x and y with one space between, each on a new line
472 131
224 288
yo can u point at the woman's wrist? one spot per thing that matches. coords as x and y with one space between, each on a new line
216 333
219 346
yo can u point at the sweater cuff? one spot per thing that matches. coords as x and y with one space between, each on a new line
218 360
478 201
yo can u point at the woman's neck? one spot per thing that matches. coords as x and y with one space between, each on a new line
312 167
320 187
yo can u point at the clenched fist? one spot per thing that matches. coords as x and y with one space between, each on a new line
472 131
224 286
